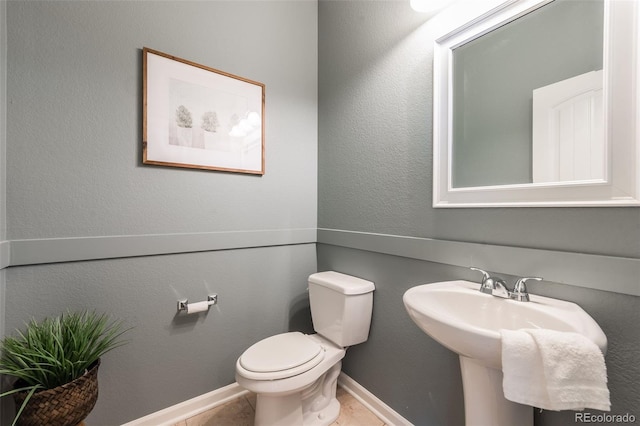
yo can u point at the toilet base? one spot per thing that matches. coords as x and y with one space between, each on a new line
325 417
314 406
278 410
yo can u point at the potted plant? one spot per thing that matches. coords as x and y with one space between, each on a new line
55 363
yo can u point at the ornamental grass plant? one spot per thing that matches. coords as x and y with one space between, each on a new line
57 350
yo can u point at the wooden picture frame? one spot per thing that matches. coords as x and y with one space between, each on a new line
199 117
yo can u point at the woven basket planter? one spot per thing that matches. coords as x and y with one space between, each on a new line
66 405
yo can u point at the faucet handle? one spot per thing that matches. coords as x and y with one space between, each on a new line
485 274
489 284
520 292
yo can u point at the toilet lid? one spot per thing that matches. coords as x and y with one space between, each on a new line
281 353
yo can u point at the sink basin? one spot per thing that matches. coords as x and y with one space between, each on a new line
460 317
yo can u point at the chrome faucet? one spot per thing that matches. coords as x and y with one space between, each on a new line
497 287
490 285
520 292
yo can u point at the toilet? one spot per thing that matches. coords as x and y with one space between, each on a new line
295 375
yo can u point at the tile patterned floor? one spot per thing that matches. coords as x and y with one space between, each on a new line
239 412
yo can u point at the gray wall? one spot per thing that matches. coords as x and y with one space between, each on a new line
170 358
76 189
3 123
74 115
421 380
375 144
3 96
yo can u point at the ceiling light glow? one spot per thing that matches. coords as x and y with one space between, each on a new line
429 5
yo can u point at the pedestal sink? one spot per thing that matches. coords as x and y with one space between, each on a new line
460 317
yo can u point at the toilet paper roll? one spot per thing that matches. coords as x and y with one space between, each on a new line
193 308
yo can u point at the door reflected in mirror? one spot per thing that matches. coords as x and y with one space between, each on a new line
568 130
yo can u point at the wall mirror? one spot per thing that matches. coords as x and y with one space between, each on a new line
537 104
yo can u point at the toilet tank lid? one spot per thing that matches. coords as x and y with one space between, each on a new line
342 283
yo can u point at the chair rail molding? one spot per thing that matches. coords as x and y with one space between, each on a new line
607 273
54 250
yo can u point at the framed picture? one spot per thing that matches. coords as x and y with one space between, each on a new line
199 117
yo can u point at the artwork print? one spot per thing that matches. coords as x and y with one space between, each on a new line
199 117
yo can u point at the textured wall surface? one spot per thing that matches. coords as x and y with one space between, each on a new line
3 118
375 151
73 137
3 105
75 117
375 144
171 358
73 133
421 380
412 373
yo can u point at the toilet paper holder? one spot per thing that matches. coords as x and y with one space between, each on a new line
183 305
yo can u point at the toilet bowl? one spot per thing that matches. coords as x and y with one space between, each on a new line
281 394
295 375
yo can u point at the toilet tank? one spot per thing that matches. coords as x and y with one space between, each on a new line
341 307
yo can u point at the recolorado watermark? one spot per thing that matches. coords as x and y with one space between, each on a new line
583 417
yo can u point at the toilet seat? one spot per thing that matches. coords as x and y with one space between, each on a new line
280 356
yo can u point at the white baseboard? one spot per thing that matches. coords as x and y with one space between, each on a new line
192 407
385 413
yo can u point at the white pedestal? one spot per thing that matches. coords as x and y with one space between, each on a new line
484 401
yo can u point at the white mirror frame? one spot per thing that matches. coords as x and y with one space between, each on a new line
622 114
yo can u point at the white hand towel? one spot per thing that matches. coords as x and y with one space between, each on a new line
553 370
